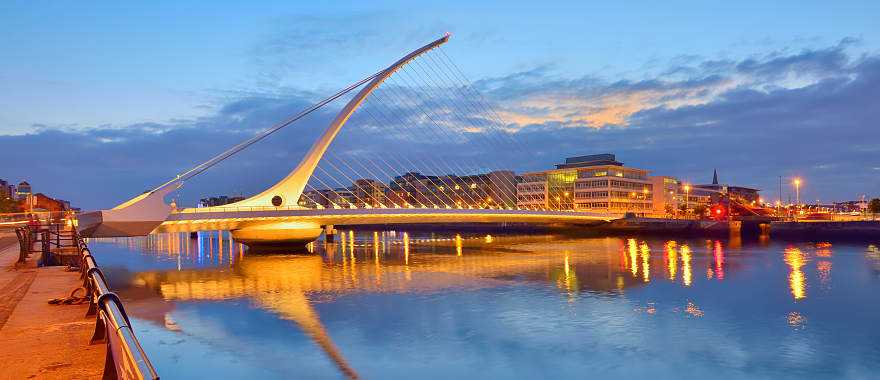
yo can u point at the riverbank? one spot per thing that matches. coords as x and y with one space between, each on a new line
40 340
827 230
676 227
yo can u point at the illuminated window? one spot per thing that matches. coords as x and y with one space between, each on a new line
473 186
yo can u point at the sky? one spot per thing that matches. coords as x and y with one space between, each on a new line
102 100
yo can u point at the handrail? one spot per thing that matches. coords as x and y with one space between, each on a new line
126 358
25 243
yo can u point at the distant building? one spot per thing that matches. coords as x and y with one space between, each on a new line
23 190
41 202
7 190
851 206
739 194
219 201
695 197
413 189
588 183
369 192
316 198
666 195
485 190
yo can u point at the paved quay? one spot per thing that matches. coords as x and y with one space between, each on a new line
39 340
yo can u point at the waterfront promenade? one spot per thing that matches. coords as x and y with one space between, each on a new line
40 340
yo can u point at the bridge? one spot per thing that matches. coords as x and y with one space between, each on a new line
285 213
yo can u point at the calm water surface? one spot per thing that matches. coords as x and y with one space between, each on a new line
391 305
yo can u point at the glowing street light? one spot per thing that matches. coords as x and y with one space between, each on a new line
797 196
687 197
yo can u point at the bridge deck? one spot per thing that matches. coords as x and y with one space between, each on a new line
212 218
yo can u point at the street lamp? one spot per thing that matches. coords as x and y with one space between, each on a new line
797 196
687 197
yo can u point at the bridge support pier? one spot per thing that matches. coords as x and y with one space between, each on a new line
329 234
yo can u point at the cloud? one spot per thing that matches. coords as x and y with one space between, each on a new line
807 114
535 97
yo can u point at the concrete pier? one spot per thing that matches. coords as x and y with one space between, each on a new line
40 340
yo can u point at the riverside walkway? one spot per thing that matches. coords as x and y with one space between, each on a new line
39 340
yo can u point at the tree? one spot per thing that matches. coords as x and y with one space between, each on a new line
874 207
700 210
8 205
670 211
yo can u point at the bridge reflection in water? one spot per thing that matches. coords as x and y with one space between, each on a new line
399 262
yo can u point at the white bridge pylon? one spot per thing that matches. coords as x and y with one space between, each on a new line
142 214
287 192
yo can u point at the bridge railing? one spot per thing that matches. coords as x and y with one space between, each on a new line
126 358
219 209
288 208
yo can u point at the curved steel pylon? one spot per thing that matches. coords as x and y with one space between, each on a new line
291 187
141 214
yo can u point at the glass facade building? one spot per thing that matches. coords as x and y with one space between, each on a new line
588 183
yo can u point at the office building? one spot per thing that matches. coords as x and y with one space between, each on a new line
588 183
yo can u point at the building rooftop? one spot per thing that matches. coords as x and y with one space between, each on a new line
589 160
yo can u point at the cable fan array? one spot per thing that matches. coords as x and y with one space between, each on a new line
424 139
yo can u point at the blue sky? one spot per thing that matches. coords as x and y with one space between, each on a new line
605 74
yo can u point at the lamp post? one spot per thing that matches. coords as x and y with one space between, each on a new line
797 196
687 198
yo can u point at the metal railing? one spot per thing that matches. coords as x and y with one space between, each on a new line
126 358
58 235
25 242
194 210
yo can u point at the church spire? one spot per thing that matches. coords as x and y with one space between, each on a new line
714 176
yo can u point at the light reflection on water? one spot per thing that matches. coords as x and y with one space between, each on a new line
386 304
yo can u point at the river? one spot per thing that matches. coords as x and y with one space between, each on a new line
390 304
